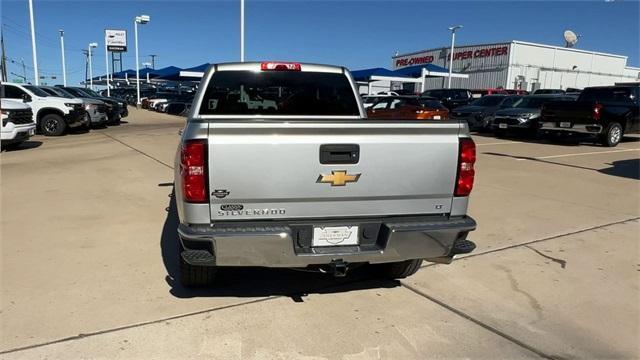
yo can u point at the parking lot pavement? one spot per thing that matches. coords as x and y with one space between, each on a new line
88 263
575 296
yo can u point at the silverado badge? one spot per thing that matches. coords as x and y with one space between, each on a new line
338 178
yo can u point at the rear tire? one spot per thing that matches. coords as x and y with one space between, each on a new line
401 269
52 125
612 135
192 276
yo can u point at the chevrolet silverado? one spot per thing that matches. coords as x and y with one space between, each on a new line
309 182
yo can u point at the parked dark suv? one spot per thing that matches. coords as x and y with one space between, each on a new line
451 98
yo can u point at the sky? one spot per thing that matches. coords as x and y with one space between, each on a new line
355 34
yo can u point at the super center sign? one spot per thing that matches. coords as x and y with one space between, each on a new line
458 55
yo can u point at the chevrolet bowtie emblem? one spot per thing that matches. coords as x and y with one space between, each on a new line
338 178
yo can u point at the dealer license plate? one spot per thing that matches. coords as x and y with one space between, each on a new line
565 124
436 117
335 235
502 126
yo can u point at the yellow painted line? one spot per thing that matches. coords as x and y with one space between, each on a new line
579 154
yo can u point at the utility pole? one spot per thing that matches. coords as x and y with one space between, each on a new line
153 61
33 44
3 61
24 70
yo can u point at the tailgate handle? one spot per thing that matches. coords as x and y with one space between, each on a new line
339 153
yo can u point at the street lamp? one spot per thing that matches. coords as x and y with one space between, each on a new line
91 46
453 41
142 19
64 68
33 44
106 63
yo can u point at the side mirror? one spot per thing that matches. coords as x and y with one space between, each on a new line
26 98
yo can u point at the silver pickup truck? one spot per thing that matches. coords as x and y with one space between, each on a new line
310 182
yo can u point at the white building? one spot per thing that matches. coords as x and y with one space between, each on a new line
522 65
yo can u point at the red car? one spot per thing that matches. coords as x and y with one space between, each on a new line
478 93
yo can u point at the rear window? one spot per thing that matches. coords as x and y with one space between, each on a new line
606 94
431 104
279 93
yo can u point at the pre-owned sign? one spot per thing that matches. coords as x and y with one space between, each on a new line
116 40
462 54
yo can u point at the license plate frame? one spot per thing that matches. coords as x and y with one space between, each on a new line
565 124
324 236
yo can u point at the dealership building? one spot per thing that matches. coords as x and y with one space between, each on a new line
519 65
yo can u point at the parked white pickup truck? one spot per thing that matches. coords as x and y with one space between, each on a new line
311 182
17 123
52 115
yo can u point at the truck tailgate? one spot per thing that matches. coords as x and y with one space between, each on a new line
568 111
272 170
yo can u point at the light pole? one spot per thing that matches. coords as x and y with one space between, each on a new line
106 63
453 41
241 30
142 19
64 68
91 46
33 44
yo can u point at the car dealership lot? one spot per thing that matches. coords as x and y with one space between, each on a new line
88 263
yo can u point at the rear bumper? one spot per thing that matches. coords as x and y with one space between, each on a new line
593 129
511 123
288 245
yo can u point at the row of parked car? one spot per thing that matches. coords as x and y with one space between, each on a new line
53 110
172 101
603 113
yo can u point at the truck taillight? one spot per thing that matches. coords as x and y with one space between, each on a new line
466 173
596 111
193 171
280 66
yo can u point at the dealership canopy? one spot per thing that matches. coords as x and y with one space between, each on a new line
412 74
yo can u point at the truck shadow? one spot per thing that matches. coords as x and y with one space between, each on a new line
629 169
259 282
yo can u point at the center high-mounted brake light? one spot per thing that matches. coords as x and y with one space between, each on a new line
466 172
280 66
193 171
596 111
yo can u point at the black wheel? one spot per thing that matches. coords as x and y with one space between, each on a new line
195 276
401 269
52 125
612 135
